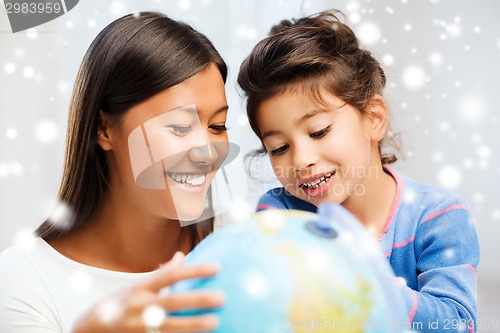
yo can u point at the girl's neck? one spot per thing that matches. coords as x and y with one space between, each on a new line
372 208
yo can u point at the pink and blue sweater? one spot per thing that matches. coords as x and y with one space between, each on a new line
432 246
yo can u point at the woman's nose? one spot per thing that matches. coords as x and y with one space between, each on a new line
204 155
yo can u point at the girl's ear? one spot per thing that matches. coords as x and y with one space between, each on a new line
378 117
103 138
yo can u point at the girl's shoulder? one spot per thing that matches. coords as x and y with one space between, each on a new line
428 193
280 198
423 201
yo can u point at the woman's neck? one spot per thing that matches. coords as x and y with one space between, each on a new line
121 238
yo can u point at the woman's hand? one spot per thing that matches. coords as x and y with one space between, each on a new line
124 311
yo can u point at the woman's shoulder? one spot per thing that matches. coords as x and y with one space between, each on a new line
22 265
19 257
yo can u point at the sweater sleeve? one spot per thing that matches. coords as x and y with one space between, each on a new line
270 201
25 304
447 255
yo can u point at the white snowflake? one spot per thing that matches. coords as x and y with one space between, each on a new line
32 33
184 4
117 8
437 156
109 311
484 152
246 32
153 316
11 133
454 30
243 120
80 282
46 131
436 58
471 109
25 238
368 33
388 60
28 72
450 176
9 68
255 284
354 18
414 77
16 168
478 197
62 216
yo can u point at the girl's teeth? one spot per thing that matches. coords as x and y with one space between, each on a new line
317 182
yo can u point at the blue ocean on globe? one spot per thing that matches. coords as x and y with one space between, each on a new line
289 271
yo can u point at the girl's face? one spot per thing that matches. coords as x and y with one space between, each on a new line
318 152
164 152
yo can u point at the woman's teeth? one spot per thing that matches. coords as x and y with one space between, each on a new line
318 182
188 179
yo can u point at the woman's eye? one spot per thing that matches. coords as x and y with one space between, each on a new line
180 130
279 150
218 129
321 133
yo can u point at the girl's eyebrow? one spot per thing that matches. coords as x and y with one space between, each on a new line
314 112
308 115
269 133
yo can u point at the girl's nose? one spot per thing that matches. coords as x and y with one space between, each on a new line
303 156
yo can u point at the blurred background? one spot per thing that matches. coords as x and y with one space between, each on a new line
441 58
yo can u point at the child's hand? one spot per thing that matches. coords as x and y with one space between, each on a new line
124 311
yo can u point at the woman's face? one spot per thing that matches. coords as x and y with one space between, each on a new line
166 150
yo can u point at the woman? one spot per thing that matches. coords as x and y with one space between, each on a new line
146 132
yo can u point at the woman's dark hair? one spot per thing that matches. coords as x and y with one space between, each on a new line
312 53
131 60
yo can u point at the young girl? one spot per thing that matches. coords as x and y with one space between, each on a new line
146 132
314 98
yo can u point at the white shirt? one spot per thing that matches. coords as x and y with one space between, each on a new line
42 291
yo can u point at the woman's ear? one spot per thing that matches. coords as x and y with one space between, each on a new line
378 117
103 138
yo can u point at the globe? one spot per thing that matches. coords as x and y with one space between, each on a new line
288 271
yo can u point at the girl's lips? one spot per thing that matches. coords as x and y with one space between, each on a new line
312 182
318 189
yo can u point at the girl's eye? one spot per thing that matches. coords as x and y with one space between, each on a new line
180 130
280 150
321 133
218 129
